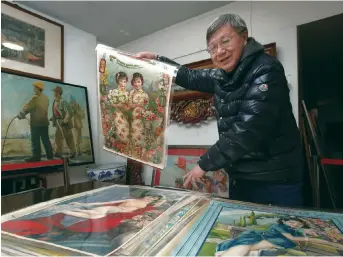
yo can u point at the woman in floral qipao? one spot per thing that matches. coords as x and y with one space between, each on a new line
138 101
119 99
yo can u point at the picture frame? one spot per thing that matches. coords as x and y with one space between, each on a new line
270 49
159 208
235 220
33 135
193 107
31 44
185 158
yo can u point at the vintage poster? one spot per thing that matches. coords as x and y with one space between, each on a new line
26 37
47 120
95 222
159 234
180 161
43 120
229 229
134 105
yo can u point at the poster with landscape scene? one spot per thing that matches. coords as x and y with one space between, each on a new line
242 230
43 121
134 105
26 36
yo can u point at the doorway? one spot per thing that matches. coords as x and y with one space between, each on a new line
320 70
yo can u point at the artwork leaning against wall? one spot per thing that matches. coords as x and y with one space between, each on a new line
43 121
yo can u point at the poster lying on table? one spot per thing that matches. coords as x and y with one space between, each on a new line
96 222
134 105
233 229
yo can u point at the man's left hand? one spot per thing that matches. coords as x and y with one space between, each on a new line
193 176
20 116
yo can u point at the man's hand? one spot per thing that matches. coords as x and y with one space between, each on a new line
147 55
193 176
21 116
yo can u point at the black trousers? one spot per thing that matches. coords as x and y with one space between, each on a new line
39 133
286 193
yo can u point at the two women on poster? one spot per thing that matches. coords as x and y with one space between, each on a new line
134 106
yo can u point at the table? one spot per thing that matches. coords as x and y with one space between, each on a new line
165 222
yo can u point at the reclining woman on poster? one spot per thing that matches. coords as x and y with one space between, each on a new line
84 217
99 210
286 234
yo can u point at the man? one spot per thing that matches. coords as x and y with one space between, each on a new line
259 142
38 106
62 121
77 115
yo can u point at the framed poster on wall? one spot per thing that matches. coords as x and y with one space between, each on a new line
42 121
181 160
31 44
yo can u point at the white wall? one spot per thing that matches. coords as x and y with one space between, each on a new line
270 22
80 69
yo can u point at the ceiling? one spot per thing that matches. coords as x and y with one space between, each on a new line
116 23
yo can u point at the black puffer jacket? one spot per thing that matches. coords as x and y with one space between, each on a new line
258 135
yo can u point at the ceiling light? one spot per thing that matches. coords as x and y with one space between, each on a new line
13 46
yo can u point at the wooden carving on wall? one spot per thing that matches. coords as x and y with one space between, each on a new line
192 107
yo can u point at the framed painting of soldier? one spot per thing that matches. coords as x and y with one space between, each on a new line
43 121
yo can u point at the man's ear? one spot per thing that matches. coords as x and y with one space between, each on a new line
245 36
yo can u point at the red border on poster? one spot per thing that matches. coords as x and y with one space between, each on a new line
30 165
179 151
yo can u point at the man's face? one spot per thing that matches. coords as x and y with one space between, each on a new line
56 94
228 47
36 90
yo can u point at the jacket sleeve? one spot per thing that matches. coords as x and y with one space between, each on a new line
197 80
255 120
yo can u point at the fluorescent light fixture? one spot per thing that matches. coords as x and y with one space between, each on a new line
13 46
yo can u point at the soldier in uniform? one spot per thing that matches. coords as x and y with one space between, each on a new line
37 107
62 121
77 116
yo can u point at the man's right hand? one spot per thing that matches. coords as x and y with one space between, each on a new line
147 55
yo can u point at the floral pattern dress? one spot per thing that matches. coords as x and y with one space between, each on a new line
120 119
138 96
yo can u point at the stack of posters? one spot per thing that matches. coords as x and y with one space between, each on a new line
98 222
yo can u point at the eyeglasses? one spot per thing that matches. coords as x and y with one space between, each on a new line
224 43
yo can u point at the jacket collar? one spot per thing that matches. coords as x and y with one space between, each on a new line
252 48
